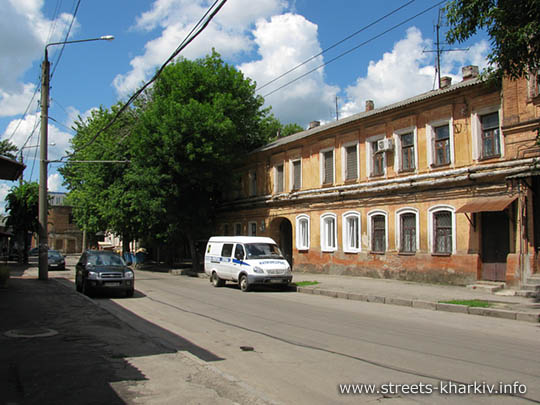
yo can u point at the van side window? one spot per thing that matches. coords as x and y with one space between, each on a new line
226 250
239 252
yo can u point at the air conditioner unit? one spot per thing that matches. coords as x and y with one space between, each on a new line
385 144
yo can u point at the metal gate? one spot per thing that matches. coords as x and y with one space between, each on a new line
495 245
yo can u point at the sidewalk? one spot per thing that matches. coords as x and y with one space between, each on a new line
60 347
418 295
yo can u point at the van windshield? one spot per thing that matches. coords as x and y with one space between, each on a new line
263 251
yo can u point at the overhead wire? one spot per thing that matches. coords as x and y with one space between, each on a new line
65 38
356 47
336 44
194 33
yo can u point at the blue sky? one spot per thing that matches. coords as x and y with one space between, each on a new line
263 38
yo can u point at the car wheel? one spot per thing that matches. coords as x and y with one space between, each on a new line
86 288
244 285
216 281
130 292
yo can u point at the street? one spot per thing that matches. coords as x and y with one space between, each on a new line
297 348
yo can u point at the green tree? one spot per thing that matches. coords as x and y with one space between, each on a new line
8 149
513 27
291 129
202 118
22 208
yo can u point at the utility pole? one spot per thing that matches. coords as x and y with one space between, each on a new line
337 111
43 233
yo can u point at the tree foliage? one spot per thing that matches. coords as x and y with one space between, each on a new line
513 27
8 149
22 208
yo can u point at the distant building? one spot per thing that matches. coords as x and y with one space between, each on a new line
64 235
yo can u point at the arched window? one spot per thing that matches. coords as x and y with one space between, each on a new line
442 230
407 240
328 233
302 232
351 232
378 231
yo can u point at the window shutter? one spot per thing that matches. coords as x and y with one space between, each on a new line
352 163
279 180
328 167
297 175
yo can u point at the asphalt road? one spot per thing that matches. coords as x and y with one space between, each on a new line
297 349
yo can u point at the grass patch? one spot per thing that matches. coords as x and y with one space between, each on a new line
469 303
306 283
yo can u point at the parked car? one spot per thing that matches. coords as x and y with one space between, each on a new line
56 260
105 271
33 252
246 260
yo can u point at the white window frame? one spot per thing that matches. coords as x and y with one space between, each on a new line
369 155
250 225
370 215
325 247
476 128
430 137
399 213
347 248
300 245
344 160
397 154
291 174
431 212
321 165
276 174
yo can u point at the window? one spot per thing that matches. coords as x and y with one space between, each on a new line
490 135
239 252
351 162
237 229
327 166
226 229
407 231
278 180
378 234
407 152
328 233
302 232
252 183
377 168
296 174
442 145
252 226
226 250
351 232
442 230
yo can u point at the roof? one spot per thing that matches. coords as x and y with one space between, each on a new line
366 114
241 239
10 169
484 204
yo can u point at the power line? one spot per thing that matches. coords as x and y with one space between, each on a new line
65 38
356 47
202 24
336 44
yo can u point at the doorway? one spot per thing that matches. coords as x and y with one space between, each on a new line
495 245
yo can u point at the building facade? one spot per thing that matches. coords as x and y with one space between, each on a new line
64 235
440 187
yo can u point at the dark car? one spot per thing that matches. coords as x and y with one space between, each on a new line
33 252
56 260
105 271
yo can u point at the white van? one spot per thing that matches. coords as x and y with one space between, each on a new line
246 260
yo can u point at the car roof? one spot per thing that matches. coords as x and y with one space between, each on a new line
101 252
242 239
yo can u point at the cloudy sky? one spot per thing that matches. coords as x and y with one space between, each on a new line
263 38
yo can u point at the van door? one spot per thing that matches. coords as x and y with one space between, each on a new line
238 259
226 265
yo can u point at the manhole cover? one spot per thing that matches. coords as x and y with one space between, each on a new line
31 333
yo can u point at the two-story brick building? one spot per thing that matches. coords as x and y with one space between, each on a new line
64 235
439 187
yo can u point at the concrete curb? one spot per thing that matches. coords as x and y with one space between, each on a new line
422 304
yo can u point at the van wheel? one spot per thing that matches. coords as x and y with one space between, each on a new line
216 281
244 285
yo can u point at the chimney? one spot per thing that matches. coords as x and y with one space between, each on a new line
370 105
314 124
446 81
469 72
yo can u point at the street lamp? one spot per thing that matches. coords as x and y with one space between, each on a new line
43 234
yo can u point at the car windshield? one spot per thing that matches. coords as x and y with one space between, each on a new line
263 251
106 260
53 254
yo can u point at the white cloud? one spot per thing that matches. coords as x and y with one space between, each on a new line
307 99
5 187
228 33
54 182
24 31
31 125
406 71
